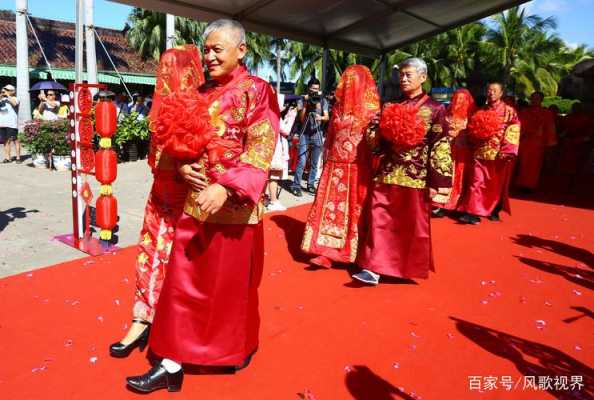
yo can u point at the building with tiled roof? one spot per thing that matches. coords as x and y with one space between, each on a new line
57 40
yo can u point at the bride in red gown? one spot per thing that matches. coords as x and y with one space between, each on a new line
332 231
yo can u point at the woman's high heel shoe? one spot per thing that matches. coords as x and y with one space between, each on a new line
121 350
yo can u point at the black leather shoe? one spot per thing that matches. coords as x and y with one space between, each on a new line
311 189
438 213
120 350
296 191
469 219
494 217
157 378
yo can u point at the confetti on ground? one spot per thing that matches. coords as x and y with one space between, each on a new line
540 324
93 360
577 292
396 365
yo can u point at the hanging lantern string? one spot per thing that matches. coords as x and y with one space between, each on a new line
49 66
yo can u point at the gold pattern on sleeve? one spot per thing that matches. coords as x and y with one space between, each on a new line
489 150
260 145
441 157
216 119
512 134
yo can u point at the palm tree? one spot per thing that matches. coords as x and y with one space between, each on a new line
508 38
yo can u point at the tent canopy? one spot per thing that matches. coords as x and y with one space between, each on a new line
368 27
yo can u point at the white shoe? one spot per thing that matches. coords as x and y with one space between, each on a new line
276 206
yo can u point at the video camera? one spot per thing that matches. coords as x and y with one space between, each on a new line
314 97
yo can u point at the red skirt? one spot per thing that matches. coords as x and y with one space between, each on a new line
332 228
462 159
398 241
489 185
208 309
530 160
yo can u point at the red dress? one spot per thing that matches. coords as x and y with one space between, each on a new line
208 311
459 111
179 70
398 238
332 228
490 172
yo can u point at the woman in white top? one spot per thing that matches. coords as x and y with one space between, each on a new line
279 167
49 107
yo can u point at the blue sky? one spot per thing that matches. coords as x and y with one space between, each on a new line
574 17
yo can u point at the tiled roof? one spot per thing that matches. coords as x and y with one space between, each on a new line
57 40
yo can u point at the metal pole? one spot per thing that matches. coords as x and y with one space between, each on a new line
278 66
325 69
170 30
77 202
22 50
382 74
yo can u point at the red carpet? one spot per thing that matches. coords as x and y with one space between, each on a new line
508 299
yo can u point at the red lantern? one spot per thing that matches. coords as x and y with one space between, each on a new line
105 118
106 166
107 212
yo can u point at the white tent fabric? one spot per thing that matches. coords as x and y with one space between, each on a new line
368 27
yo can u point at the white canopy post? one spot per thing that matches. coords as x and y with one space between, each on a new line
22 62
170 30
90 43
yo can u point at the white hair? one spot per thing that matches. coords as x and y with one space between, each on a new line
416 63
235 26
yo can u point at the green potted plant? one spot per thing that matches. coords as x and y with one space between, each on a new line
132 131
37 142
60 150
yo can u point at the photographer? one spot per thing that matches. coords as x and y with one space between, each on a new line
9 122
313 112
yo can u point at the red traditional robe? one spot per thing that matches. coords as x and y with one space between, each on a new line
332 228
398 238
576 147
491 168
538 132
208 311
180 70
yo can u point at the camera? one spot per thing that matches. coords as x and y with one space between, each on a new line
314 96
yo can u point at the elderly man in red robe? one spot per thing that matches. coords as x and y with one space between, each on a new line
538 134
495 131
416 166
208 309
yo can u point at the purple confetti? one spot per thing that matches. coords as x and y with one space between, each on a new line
396 365
577 292
93 360
540 324
578 348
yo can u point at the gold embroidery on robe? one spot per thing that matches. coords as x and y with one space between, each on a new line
512 134
441 158
398 176
230 213
260 145
215 118
489 150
